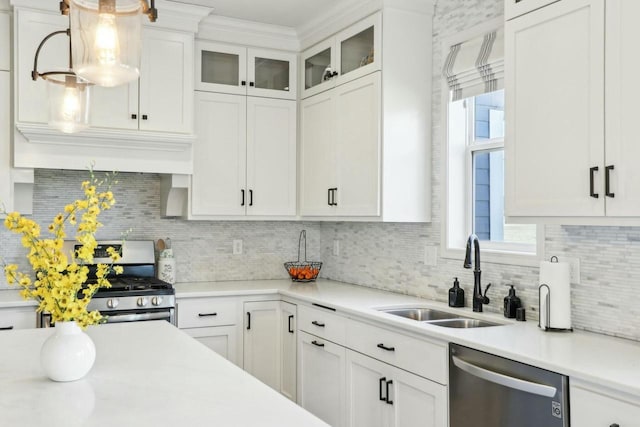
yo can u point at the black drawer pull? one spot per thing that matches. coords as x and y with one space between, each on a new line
384 347
290 328
248 320
592 192
607 188
6 328
242 192
318 324
382 381
250 197
389 401
207 314
316 343
615 425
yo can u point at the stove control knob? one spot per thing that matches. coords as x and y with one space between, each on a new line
156 301
142 301
112 303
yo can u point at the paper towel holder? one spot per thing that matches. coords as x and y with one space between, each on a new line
547 303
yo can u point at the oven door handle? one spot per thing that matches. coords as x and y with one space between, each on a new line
135 317
504 380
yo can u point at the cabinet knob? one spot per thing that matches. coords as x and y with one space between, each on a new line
252 84
134 116
144 117
334 74
243 83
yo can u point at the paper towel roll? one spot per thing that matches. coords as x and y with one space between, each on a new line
557 276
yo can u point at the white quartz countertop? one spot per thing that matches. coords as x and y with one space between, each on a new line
145 374
600 359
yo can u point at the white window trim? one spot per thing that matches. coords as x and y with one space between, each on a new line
496 254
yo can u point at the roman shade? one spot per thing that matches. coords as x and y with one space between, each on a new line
476 66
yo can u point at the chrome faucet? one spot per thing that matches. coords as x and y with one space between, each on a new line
478 298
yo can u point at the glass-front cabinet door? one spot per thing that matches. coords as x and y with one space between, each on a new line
271 74
350 54
221 68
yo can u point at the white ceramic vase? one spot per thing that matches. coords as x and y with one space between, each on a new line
68 354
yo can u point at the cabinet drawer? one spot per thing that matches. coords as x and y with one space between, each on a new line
322 323
418 355
593 407
17 318
201 312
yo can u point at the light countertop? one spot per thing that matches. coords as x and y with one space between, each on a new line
145 374
603 360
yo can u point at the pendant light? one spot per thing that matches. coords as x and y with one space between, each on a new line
106 38
68 94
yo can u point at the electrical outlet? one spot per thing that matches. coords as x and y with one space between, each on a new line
431 256
336 248
237 247
574 267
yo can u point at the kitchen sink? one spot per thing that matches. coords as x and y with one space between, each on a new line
464 323
420 314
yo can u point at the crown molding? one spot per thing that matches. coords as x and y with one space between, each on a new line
238 31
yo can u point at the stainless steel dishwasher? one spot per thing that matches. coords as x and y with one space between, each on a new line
490 391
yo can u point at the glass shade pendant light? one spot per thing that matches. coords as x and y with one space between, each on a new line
68 94
106 39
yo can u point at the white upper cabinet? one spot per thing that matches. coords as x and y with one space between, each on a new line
245 71
348 55
571 88
554 89
514 8
5 41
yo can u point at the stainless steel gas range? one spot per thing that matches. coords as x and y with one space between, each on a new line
136 294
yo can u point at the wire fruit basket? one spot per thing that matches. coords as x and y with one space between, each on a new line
303 271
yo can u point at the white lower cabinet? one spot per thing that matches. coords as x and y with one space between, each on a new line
17 318
269 352
221 339
594 407
321 378
379 394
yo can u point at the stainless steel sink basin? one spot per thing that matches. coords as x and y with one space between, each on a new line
420 314
464 323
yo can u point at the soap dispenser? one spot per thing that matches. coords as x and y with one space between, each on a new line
511 304
456 295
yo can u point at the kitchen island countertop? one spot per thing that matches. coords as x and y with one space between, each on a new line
145 374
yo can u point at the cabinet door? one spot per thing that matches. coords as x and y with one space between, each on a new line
416 398
166 85
271 74
221 68
623 90
317 157
262 345
17 318
5 42
593 409
318 66
221 339
219 155
289 343
321 378
5 144
115 107
554 87
271 157
367 391
358 146
32 27
359 49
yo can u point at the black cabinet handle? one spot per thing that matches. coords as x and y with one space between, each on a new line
6 328
334 192
290 319
382 346
334 74
607 189
389 401
252 84
134 116
248 320
250 197
382 381
615 425
592 172
207 314
145 117
316 343
242 192
243 83
319 324
329 196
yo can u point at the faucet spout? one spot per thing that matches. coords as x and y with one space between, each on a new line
478 298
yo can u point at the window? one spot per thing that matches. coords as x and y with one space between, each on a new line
474 150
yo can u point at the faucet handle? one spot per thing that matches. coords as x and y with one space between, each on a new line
485 299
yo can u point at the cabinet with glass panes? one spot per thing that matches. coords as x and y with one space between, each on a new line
350 54
243 70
